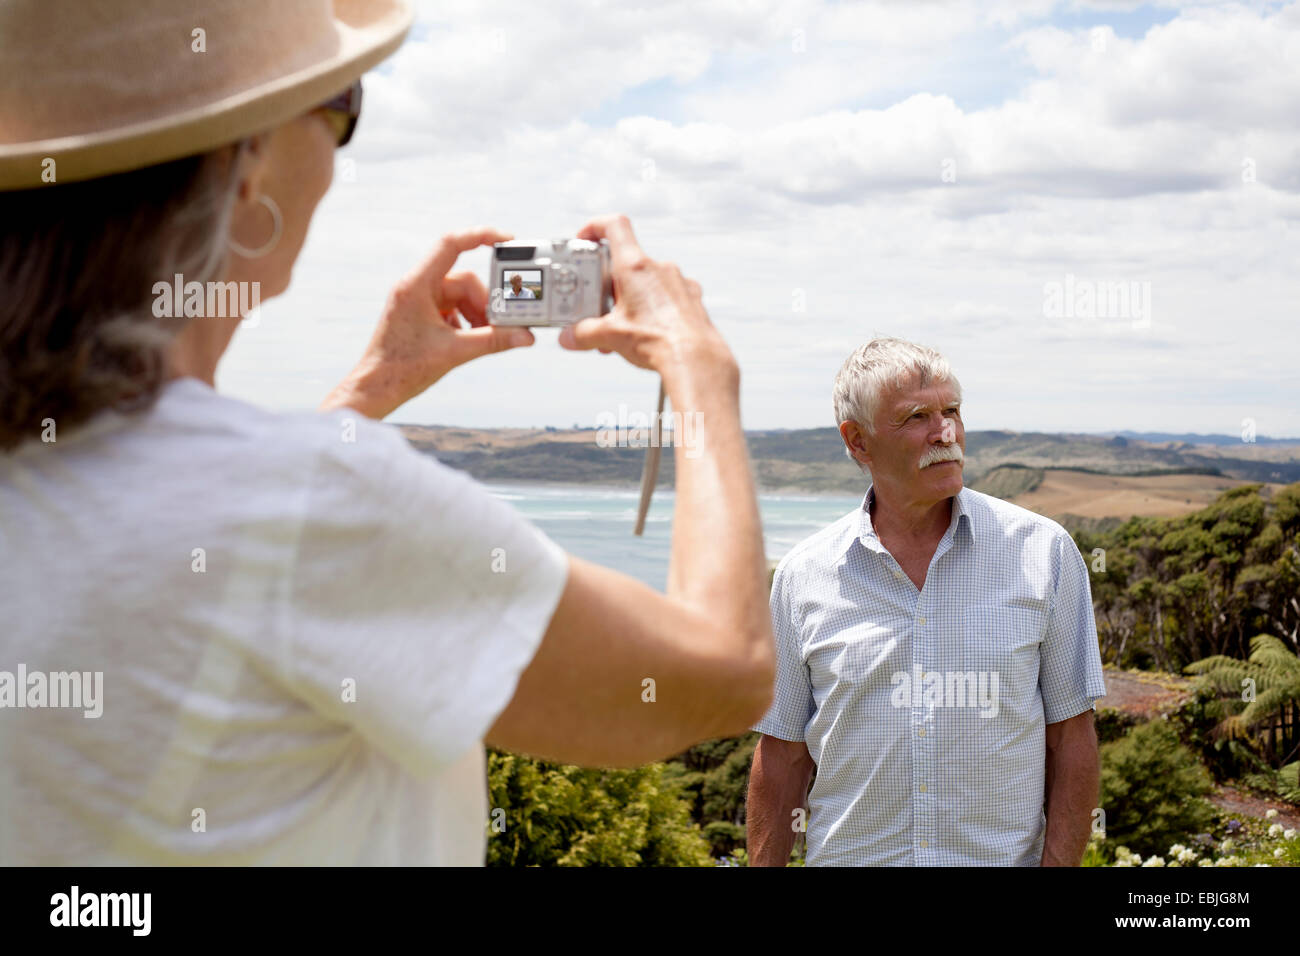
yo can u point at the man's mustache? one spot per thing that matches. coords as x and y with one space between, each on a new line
937 453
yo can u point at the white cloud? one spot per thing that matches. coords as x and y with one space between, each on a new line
1121 164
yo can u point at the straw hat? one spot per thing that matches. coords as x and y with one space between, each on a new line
113 85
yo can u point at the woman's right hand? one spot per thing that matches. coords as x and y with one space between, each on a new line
658 321
419 338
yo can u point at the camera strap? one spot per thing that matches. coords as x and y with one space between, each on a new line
650 470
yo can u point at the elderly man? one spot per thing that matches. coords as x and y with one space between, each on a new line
937 656
518 290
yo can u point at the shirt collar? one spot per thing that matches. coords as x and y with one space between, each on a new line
962 507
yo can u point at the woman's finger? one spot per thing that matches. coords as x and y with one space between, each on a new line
465 291
430 273
623 245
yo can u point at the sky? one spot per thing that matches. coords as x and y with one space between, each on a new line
1091 208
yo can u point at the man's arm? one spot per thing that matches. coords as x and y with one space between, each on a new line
778 785
1072 788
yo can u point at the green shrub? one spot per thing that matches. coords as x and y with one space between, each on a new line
713 776
1113 723
557 815
1151 789
724 838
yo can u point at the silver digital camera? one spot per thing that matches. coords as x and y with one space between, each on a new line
551 283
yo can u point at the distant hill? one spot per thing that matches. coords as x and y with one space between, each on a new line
1095 501
1191 438
1010 481
813 460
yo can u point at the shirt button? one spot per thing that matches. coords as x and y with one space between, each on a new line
920 731
923 788
922 620
924 844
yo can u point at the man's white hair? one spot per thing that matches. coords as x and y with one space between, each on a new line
881 364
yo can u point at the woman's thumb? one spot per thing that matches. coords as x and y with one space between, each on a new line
594 333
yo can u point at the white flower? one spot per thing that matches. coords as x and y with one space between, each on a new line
1270 815
1226 845
1289 834
1275 829
1186 856
1154 861
1278 852
1205 862
1176 849
1124 862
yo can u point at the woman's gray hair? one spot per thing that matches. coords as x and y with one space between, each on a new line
881 364
78 264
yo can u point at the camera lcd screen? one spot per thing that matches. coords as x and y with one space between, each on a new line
521 283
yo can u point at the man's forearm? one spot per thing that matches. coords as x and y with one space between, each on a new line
1073 778
776 791
768 830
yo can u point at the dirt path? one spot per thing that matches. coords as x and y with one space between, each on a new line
1144 694
1245 804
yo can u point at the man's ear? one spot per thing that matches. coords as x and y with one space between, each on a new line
856 441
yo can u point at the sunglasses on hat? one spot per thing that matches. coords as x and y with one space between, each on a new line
343 111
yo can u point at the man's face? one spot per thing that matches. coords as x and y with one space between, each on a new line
916 425
516 283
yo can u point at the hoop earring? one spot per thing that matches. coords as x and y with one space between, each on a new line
277 228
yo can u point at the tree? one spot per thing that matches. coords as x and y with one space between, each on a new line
1272 674
1175 590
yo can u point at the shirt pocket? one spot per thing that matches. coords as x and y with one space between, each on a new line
1004 643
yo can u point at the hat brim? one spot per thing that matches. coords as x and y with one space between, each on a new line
214 124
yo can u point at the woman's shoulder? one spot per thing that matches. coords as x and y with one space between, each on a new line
191 408
192 429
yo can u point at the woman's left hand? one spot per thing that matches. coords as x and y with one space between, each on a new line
419 338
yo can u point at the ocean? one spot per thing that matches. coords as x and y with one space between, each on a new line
596 523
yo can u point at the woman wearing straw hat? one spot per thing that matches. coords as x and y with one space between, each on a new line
234 636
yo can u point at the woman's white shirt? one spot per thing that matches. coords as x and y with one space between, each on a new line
304 628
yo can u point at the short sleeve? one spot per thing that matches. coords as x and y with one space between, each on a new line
417 598
1070 676
792 701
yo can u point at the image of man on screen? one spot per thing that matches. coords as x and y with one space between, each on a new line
517 289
